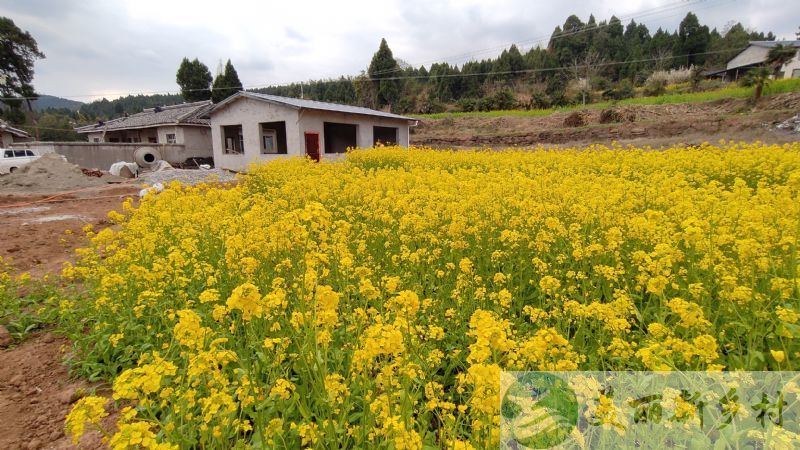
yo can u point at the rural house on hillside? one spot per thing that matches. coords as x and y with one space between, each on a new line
185 124
249 127
756 55
9 135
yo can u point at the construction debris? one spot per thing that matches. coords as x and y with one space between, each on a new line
92 172
791 125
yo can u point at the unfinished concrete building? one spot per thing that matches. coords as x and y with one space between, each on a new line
249 127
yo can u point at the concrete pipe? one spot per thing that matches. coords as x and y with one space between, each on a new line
146 156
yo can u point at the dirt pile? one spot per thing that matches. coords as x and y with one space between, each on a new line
50 173
576 119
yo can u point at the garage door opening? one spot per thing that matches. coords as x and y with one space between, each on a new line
273 138
384 136
339 136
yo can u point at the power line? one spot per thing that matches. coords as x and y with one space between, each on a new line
458 75
639 15
587 28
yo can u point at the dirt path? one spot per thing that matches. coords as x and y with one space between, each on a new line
36 390
36 394
652 125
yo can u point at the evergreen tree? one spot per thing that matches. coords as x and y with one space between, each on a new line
692 40
194 78
226 84
382 68
18 51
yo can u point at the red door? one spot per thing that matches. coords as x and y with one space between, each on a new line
312 146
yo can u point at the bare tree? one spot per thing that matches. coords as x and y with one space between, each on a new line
584 69
662 56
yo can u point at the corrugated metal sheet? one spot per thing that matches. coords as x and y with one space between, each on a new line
320 106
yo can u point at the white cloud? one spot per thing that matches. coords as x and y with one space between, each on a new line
95 47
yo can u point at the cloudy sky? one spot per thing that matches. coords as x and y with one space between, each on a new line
109 48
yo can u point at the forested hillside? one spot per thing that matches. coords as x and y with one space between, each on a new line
581 62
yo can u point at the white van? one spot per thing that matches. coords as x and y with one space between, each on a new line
13 159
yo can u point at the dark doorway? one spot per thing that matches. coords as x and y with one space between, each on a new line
339 136
384 135
312 146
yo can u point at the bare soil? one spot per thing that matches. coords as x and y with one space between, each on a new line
644 125
36 390
36 393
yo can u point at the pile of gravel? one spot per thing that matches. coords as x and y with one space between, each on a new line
50 173
186 176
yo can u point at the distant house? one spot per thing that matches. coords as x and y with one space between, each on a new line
249 127
185 124
756 55
9 135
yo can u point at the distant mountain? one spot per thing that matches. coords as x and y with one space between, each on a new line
50 101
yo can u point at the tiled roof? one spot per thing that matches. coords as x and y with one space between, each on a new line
299 103
183 114
4 126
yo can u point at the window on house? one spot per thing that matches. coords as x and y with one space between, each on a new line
171 138
339 137
384 135
233 139
273 138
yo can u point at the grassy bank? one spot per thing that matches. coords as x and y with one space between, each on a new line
733 91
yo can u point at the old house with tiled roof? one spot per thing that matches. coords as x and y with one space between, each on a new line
9 135
185 124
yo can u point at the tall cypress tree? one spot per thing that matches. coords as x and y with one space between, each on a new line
194 78
226 84
382 68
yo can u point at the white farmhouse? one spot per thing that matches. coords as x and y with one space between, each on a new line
756 54
248 127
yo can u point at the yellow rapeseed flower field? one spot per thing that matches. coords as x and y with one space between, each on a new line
373 302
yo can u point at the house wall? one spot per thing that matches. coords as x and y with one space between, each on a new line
250 114
791 66
313 122
102 155
6 139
